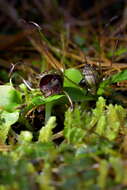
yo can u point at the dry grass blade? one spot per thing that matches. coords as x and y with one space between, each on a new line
43 48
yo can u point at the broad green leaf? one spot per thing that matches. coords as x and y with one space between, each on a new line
42 100
72 78
10 98
77 95
6 120
45 134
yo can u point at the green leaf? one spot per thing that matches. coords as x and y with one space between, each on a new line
103 86
118 77
10 98
38 100
6 120
45 134
118 52
77 94
73 77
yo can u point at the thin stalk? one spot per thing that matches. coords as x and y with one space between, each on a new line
48 111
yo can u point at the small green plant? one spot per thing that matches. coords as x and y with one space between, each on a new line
79 155
87 152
